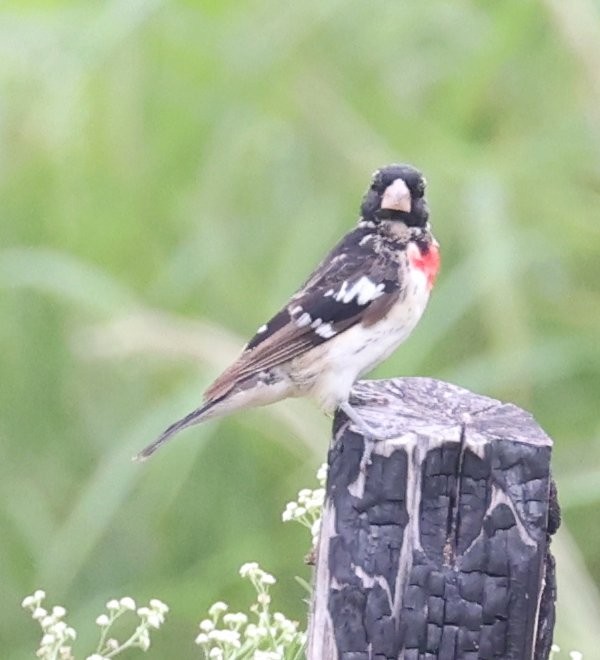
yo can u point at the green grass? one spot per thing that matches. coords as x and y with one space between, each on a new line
169 172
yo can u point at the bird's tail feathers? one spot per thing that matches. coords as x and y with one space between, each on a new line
250 392
195 417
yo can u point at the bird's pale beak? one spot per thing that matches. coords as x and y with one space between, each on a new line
396 197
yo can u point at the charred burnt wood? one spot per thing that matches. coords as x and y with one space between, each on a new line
434 538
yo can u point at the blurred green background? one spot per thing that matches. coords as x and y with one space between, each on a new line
169 173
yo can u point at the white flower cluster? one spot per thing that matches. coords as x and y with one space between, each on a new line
150 616
308 508
573 655
56 634
232 636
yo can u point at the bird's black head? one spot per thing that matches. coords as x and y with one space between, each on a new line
396 193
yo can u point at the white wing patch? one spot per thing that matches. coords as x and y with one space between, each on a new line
364 290
325 330
300 317
303 320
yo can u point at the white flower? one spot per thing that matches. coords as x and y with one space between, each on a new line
267 655
127 603
39 613
159 606
102 621
60 628
206 625
113 605
263 599
27 602
318 496
235 619
322 474
249 568
112 644
217 608
285 624
96 656
48 639
575 655
47 621
70 633
58 611
265 578
255 632
216 653
202 638
228 637
154 619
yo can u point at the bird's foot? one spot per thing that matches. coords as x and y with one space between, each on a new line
365 429
358 421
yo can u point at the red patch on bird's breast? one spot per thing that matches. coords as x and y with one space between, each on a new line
426 260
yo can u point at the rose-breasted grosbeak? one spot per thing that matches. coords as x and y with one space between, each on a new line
360 303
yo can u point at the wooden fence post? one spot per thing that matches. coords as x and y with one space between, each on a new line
434 539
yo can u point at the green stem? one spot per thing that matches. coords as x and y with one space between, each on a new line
127 643
104 631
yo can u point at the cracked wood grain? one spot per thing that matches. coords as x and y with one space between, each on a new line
434 541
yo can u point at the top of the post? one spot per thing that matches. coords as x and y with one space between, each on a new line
397 405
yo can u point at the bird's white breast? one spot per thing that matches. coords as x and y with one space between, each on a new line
330 370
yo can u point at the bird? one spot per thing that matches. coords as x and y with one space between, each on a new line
358 305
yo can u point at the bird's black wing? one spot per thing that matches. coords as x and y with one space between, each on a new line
355 283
